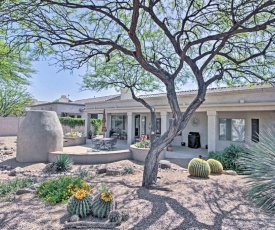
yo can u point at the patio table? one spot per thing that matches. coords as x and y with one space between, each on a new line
105 143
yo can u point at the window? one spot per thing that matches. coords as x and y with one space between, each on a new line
232 129
118 122
255 130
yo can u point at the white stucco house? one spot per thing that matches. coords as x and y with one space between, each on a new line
228 115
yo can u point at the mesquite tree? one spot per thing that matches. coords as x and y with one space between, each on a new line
213 40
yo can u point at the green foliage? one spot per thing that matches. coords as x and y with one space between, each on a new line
228 157
128 170
96 123
258 165
62 163
72 122
13 98
80 207
143 143
83 173
199 168
9 188
101 208
61 189
215 166
115 216
13 67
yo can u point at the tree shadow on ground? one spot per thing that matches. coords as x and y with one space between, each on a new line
12 162
226 210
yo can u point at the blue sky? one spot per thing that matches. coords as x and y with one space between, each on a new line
48 84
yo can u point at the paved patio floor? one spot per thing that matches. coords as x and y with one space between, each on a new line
179 152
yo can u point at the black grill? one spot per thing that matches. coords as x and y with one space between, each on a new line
194 140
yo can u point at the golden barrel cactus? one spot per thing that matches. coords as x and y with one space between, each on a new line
215 166
199 168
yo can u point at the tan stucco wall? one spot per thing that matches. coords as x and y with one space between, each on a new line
9 126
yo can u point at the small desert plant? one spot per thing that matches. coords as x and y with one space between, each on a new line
115 216
9 188
61 189
83 173
143 143
128 170
80 203
62 163
198 167
258 164
215 166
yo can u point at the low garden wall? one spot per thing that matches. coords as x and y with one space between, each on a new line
72 141
95 157
139 154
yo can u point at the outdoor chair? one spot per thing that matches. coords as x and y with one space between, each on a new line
113 142
96 143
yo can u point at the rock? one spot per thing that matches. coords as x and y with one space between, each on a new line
229 172
19 170
164 164
74 218
6 148
101 170
48 168
12 173
8 152
114 172
24 191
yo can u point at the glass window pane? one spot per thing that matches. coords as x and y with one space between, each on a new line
222 129
238 129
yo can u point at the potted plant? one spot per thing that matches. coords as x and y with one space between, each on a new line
169 148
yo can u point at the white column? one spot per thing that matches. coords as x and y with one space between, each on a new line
87 117
212 130
163 115
130 133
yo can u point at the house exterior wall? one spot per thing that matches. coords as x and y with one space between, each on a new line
248 103
266 118
70 109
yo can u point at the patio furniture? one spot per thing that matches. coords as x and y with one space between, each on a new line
105 143
95 143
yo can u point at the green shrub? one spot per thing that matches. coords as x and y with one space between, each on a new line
96 123
83 173
128 170
258 163
228 157
62 163
9 188
61 189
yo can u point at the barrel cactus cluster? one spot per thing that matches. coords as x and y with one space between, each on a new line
101 205
200 168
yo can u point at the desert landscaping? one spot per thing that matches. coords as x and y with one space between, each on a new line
216 202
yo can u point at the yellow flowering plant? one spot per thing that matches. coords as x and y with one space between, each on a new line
106 196
61 189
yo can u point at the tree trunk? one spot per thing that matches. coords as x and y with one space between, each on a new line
151 168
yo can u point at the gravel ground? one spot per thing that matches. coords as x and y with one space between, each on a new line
194 203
